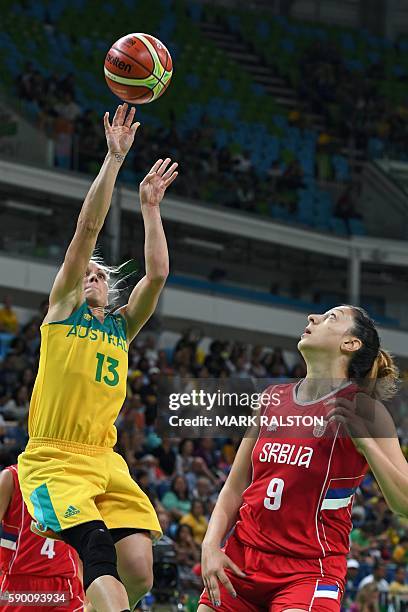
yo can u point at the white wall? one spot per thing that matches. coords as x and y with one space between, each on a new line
228 314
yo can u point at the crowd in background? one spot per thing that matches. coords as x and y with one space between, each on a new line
183 477
210 174
349 100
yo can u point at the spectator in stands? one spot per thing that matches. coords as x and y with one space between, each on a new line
8 317
400 554
257 367
67 85
9 375
205 491
362 537
31 338
166 456
200 468
292 178
16 436
129 431
67 108
177 500
187 556
353 568
196 520
399 585
368 599
17 407
377 577
24 82
206 450
187 550
151 464
215 360
2 429
346 206
184 457
142 477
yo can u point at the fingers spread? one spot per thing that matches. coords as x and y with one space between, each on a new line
236 569
135 127
170 171
117 115
163 167
169 181
149 177
214 590
156 166
106 121
222 577
130 117
122 114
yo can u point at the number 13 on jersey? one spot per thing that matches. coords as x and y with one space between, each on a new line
110 366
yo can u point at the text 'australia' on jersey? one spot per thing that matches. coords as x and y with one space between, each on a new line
24 553
81 381
303 483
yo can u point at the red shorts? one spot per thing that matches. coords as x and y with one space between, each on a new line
54 594
275 583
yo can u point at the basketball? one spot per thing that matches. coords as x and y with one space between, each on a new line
138 68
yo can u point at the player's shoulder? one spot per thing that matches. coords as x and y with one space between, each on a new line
8 475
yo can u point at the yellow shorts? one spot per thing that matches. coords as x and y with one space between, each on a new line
65 484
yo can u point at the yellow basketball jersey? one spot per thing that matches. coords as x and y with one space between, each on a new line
81 381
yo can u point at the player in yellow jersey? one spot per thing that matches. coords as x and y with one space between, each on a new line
74 485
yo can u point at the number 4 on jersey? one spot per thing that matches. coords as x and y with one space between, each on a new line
48 548
274 493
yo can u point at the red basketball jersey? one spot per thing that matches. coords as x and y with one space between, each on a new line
303 480
23 552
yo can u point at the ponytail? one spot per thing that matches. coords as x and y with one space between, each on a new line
381 382
371 367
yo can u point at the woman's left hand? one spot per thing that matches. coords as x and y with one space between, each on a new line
154 185
357 416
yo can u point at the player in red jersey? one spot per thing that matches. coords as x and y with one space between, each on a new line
290 491
33 564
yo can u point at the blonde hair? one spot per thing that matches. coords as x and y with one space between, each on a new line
364 595
117 277
382 380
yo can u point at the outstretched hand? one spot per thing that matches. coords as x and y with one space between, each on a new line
121 133
154 185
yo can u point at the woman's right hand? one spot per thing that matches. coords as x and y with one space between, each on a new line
213 564
120 135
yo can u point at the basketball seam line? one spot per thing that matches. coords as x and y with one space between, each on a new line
137 86
150 53
133 59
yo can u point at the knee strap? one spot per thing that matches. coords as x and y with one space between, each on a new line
99 556
96 548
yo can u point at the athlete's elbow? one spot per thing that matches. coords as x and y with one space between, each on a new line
158 278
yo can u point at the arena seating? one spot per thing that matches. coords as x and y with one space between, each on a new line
210 92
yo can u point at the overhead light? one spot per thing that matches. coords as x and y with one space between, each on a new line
38 210
204 244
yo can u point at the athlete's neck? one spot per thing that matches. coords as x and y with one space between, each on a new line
322 378
98 312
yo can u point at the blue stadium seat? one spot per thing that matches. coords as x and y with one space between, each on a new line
357 227
338 226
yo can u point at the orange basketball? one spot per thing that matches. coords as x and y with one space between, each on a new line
138 68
